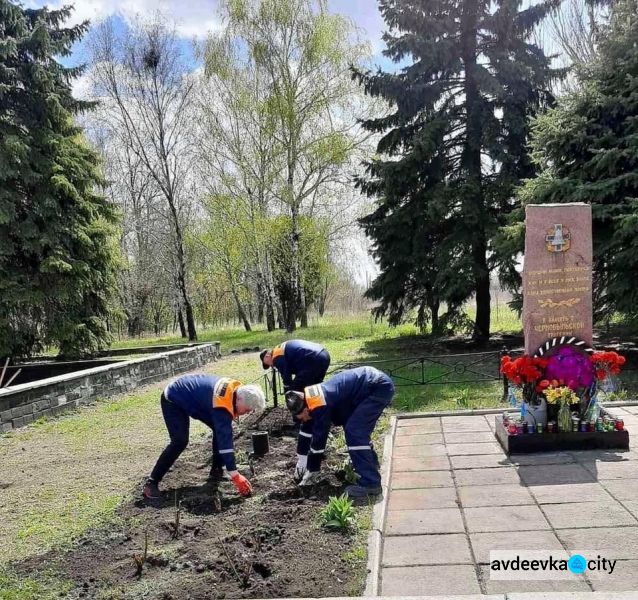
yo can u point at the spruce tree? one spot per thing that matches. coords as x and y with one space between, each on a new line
452 148
586 150
57 258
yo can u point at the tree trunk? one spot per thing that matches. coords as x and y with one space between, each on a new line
181 284
281 319
482 278
241 311
260 302
303 306
180 321
241 315
434 306
295 272
270 294
323 297
474 201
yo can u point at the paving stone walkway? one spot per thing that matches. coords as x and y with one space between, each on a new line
454 496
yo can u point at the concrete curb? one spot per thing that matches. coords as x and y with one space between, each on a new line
375 537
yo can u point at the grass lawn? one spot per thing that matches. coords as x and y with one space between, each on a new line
327 330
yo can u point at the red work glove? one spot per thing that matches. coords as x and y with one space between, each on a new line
241 484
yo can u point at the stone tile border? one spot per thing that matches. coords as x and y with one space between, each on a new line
375 537
24 403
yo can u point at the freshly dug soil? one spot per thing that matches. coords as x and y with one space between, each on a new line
269 545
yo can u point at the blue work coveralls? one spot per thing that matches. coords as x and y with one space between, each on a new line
207 398
300 363
355 400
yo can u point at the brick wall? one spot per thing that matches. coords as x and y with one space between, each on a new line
23 404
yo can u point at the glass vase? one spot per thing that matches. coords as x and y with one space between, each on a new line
564 418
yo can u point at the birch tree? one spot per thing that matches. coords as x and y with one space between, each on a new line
143 82
305 53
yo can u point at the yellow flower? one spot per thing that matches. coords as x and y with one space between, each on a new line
561 394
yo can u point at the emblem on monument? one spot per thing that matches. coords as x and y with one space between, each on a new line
558 239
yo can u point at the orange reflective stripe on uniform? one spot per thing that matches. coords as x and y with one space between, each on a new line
223 394
314 397
278 351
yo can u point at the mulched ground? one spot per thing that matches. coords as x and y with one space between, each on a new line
219 545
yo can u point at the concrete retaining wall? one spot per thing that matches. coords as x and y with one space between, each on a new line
23 404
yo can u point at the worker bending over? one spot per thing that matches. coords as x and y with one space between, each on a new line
300 363
354 399
215 401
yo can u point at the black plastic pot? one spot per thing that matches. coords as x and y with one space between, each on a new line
261 445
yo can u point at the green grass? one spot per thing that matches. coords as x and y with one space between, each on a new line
325 329
50 525
361 339
43 586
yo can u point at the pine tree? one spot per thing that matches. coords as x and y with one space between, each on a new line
452 149
586 149
57 257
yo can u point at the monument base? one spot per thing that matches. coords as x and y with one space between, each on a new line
553 442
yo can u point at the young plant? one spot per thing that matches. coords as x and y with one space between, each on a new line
349 474
338 513
175 524
140 559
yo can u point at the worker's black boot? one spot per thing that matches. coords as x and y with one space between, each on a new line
359 491
151 490
217 474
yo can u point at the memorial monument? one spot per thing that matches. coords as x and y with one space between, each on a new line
557 379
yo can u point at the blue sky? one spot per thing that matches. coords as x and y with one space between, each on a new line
195 17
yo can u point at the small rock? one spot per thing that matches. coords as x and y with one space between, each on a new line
200 568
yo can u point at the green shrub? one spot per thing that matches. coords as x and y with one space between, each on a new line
338 513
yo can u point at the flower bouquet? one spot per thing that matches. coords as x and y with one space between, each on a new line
564 397
526 373
565 381
607 366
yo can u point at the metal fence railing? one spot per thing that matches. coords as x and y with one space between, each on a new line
443 369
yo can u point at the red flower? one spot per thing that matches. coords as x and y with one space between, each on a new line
601 373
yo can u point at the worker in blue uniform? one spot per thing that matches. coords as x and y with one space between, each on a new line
300 363
354 399
215 401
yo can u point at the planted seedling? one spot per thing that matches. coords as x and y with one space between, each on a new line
175 524
338 513
217 501
349 474
242 575
140 559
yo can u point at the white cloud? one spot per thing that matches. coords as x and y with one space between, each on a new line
194 18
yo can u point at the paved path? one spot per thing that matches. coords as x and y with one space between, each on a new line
454 496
